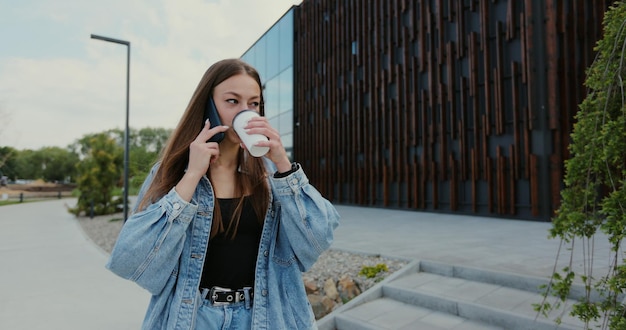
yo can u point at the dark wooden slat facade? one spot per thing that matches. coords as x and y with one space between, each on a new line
445 106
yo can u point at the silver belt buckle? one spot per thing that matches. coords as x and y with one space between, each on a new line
213 296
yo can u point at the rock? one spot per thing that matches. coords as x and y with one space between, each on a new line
322 305
347 288
330 289
310 285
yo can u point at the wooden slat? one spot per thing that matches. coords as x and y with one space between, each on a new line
455 102
454 184
463 147
434 185
510 20
534 185
486 56
499 108
460 30
451 89
500 181
551 45
442 136
516 116
512 182
423 181
474 180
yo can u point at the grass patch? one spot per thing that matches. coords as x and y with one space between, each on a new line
3 203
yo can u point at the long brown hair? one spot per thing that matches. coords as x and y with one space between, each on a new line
174 157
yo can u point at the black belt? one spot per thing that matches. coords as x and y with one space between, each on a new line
223 296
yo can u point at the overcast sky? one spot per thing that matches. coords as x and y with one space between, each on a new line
57 84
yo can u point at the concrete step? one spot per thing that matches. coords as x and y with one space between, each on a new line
430 295
388 313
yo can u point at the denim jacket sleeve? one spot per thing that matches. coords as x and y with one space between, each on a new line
307 217
151 241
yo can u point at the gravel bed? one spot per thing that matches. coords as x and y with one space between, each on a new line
103 231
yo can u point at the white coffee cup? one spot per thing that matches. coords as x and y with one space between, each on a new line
239 122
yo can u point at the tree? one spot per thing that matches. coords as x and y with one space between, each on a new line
7 162
57 164
594 197
153 139
48 163
28 165
145 151
99 173
145 146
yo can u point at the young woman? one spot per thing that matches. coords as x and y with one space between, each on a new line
218 237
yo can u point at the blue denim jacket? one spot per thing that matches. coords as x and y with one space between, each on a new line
162 248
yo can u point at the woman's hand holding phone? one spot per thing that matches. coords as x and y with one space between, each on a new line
203 152
201 155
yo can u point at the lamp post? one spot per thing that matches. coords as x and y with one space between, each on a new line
126 149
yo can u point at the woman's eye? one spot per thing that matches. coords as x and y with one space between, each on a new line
232 101
255 104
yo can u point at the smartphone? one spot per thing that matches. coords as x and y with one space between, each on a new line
210 113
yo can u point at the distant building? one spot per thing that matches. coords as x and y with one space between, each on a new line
442 106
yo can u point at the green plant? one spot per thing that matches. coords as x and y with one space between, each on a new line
594 197
99 174
372 271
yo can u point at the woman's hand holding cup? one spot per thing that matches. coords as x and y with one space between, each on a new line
260 138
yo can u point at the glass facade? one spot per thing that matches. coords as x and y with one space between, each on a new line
272 56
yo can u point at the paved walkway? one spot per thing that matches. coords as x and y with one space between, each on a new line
53 277
516 246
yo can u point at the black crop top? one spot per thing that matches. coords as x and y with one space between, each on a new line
231 263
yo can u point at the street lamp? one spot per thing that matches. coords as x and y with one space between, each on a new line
127 43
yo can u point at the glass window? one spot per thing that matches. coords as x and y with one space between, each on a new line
274 122
286 122
385 61
288 144
288 141
286 90
272 55
406 18
273 49
399 55
393 91
286 41
261 53
271 96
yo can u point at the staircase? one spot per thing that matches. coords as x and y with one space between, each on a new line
434 296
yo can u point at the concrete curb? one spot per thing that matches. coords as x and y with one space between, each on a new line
375 292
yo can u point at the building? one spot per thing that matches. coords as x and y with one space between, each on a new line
442 106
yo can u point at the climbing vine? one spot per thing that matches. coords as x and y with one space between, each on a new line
593 200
